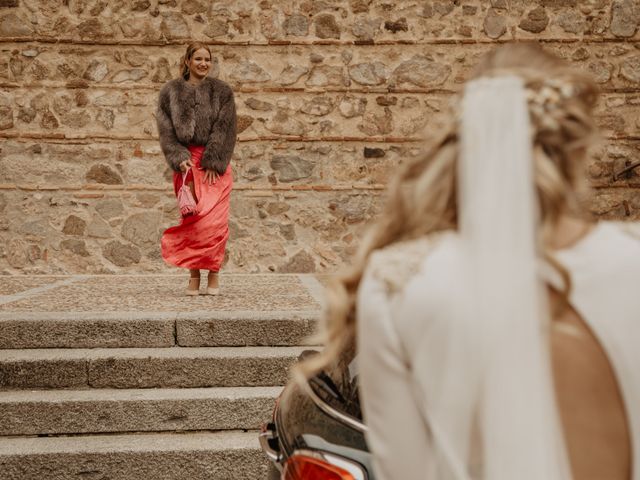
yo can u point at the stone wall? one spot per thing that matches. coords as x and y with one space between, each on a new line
331 96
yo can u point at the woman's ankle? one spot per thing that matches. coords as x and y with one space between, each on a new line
193 286
212 279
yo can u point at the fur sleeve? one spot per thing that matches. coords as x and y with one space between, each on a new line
222 140
174 152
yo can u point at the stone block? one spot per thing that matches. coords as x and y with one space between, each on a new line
237 329
85 330
297 25
535 21
190 367
42 369
495 24
144 410
197 456
11 25
301 262
624 18
74 225
142 229
326 26
146 367
174 26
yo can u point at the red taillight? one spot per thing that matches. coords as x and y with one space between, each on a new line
302 467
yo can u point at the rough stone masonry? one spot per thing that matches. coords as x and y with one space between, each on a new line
332 95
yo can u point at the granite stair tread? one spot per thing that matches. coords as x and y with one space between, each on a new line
29 412
202 455
185 367
155 329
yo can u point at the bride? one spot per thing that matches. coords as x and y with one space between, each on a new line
497 326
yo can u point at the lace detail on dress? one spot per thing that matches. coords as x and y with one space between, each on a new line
395 264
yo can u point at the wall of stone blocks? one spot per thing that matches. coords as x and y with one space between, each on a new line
332 95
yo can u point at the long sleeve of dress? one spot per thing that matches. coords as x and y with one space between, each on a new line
222 140
402 447
174 152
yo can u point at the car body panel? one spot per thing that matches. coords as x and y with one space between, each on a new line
321 416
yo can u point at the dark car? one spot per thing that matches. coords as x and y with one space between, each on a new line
316 432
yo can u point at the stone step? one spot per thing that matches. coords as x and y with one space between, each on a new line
29 412
160 456
180 367
155 329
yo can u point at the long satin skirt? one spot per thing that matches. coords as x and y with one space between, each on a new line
199 241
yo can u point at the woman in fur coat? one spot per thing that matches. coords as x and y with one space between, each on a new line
197 127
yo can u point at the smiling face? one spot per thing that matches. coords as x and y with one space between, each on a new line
199 65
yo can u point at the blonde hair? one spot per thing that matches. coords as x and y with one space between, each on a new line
422 197
191 49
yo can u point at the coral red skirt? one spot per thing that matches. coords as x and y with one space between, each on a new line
199 241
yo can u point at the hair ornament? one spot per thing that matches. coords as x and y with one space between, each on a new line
545 101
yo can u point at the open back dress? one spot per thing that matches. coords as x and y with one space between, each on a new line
404 310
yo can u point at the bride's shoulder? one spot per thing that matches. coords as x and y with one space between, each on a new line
394 265
631 229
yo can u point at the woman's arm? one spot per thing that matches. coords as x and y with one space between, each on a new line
174 152
222 140
397 434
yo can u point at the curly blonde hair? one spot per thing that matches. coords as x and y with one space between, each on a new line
422 197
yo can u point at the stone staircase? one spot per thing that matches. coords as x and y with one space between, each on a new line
175 389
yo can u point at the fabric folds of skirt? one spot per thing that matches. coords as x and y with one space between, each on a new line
199 241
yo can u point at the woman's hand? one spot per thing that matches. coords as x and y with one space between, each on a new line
186 165
210 177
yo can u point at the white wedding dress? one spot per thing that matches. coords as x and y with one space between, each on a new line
421 377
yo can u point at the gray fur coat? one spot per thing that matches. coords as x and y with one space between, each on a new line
197 115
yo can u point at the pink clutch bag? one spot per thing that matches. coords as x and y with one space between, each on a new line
186 202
